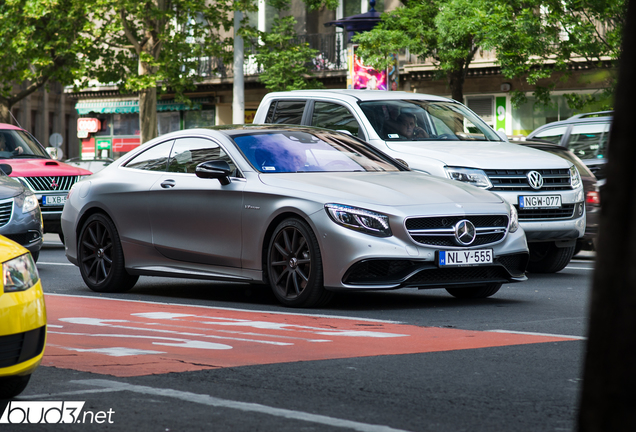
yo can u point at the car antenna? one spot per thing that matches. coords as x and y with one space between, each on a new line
15 119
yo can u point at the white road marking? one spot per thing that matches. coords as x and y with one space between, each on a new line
234 309
68 393
242 406
114 351
539 334
580 268
52 263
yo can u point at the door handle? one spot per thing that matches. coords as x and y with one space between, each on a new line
167 184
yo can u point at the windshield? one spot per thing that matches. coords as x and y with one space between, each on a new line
19 144
296 151
418 120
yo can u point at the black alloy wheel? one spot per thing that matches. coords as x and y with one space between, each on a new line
101 257
294 266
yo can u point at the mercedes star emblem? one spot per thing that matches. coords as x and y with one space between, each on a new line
465 232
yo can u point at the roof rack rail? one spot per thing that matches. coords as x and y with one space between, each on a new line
594 114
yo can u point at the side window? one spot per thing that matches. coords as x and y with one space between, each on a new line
187 153
335 117
153 159
288 112
589 141
552 135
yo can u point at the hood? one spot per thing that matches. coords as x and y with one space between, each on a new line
386 189
9 187
42 167
480 154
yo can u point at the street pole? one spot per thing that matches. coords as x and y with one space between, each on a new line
238 97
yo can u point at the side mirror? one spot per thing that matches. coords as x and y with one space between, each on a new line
8 169
218 169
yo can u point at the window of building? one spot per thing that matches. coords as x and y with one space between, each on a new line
195 119
529 116
168 122
126 124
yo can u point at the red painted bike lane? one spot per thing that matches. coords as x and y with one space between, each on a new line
131 338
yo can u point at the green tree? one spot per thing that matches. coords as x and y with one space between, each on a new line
146 44
284 61
449 32
541 42
39 41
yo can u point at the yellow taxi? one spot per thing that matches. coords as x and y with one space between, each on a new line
22 318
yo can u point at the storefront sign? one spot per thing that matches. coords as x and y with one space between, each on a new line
500 106
103 143
89 125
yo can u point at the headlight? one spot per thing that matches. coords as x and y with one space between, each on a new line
30 204
513 225
359 219
575 178
475 177
19 274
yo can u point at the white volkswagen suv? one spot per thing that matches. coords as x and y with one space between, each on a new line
442 137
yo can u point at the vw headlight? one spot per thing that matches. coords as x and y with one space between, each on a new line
513 225
575 178
19 274
359 219
475 177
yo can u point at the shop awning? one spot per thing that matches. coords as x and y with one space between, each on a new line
132 106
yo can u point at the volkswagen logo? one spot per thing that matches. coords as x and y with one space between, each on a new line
465 232
535 179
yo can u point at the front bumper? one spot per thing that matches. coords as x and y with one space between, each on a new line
22 331
353 260
567 223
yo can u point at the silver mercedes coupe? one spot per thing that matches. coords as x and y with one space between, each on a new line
308 211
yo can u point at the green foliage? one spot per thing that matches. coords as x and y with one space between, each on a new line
283 60
40 40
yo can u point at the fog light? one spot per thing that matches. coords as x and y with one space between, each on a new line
580 209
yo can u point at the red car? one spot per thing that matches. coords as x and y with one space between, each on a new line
49 179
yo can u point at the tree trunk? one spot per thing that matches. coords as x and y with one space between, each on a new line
456 84
609 377
147 107
5 111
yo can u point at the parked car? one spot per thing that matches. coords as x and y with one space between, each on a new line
92 165
591 186
20 216
307 211
22 319
586 135
443 138
49 179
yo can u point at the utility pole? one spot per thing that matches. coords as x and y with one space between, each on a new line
238 96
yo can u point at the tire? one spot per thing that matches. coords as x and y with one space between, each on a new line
294 266
474 292
547 258
35 256
13 386
101 257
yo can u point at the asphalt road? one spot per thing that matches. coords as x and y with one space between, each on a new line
184 355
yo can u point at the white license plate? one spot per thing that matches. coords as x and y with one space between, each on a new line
464 258
53 200
539 201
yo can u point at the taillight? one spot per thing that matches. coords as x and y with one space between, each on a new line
593 197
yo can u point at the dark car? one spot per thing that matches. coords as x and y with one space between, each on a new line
20 216
590 185
586 135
